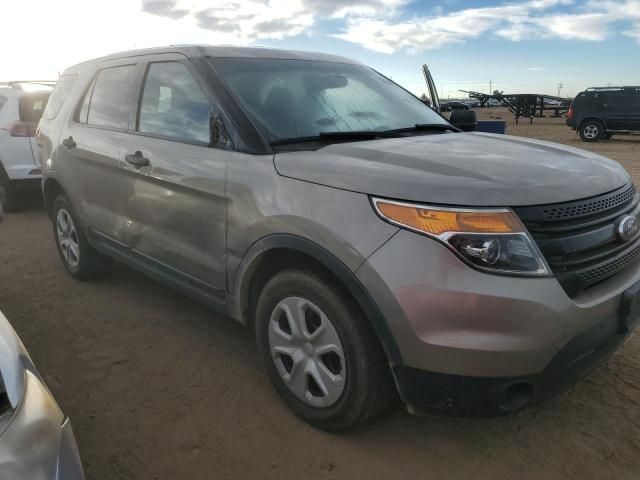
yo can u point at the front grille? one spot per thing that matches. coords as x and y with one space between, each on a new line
579 239
591 207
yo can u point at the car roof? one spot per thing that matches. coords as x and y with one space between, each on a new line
221 51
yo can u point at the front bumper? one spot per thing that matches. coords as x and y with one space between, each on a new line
481 343
37 442
425 392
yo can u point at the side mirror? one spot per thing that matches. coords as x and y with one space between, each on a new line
465 120
220 138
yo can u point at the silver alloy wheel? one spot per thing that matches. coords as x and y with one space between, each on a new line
307 352
591 131
68 238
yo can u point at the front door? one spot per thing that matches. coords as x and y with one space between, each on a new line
177 207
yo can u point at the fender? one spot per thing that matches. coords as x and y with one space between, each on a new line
251 260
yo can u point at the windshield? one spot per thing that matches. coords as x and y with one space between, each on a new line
301 98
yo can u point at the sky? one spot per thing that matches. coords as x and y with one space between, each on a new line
514 46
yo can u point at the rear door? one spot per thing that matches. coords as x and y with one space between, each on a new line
177 208
91 150
614 109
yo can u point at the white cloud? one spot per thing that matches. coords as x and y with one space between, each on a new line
535 19
382 25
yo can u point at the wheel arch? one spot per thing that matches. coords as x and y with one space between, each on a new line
51 188
278 252
591 117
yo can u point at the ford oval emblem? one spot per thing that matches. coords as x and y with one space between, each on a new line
628 226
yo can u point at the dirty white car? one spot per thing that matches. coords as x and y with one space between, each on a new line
21 107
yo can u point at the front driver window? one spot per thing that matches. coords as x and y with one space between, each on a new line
173 105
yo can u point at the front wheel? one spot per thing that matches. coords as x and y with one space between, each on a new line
79 258
591 130
321 354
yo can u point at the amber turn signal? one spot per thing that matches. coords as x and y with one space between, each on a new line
437 222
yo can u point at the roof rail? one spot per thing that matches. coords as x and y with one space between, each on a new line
628 87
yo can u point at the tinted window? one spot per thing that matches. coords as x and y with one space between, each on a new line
109 105
295 98
173 105
59 95
32 106
615 99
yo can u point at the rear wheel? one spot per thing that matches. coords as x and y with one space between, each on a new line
79 258
591 130
320 351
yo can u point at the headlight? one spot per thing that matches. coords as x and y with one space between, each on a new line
12 356
490 239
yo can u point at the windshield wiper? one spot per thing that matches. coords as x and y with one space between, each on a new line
418 127
354 135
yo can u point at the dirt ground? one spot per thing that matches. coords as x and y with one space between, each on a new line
159 387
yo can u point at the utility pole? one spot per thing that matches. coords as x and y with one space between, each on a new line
490 87
560 85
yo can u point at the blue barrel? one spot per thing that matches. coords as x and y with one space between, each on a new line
492 126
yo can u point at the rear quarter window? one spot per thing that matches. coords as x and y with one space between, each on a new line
59 96
3 100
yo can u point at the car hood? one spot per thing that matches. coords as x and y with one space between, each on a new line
474 169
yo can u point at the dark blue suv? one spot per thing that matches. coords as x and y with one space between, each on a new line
599 112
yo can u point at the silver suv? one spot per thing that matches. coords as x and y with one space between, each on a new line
374 248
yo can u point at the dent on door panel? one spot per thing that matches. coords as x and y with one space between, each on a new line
177 207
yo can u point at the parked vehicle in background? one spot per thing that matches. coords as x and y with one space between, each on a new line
453 105
601 112
21 106
373 246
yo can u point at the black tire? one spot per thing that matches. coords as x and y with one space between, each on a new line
11 200
91 263
369 387
591 130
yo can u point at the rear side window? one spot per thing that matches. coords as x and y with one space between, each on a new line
109 105
59 95
31 106
173 105
3 100
615 99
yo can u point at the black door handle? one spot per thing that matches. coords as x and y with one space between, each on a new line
137 159
69 143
